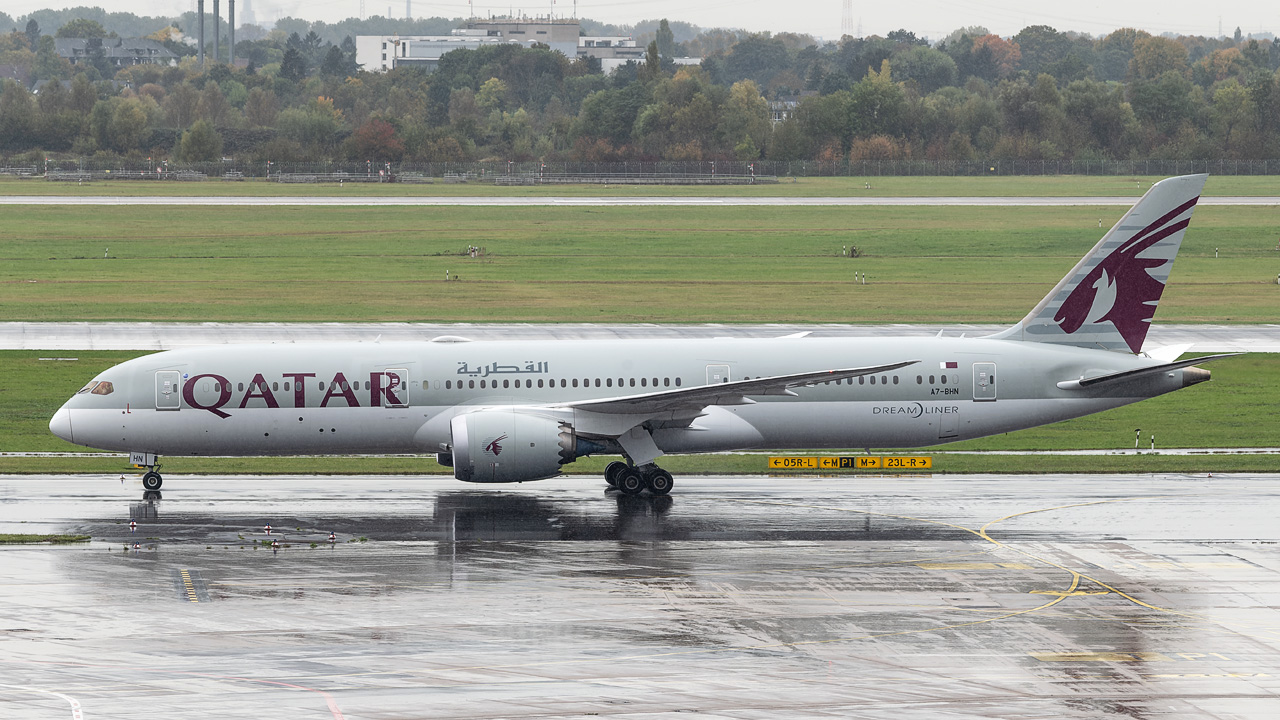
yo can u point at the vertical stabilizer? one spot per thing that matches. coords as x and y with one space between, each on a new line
1108 299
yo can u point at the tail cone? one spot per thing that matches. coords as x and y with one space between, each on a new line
1194 375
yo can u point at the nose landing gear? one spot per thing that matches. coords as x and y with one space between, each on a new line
151 480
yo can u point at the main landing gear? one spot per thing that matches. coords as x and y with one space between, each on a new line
632 480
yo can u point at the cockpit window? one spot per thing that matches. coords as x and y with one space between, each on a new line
104 388
87 388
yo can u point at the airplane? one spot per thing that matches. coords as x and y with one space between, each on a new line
515 411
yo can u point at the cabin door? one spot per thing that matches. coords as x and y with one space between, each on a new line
168 390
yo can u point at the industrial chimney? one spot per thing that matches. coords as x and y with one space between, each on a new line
231 31
217 56
200 12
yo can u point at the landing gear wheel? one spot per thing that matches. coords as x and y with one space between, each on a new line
612 471
659 481
630 482
152 480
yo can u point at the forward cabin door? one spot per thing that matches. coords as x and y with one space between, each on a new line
168 390
717 374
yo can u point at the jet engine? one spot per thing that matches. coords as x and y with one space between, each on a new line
513 445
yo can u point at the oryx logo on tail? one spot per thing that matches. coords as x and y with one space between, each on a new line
1108 299
1121 289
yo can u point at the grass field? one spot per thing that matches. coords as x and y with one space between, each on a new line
638 264
1236 410
926 186
609 264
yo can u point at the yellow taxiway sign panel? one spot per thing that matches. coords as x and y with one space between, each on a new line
856 462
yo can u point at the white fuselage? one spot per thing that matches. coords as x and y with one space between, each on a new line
284 399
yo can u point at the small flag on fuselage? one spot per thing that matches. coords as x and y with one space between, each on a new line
949 365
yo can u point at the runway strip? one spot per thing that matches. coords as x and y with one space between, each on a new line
481 201
168 336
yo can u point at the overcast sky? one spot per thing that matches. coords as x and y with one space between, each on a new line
822 18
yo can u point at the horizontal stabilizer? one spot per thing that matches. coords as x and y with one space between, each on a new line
1125 375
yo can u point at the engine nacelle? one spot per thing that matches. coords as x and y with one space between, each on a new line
512 445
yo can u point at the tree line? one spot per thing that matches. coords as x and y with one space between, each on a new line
1040 95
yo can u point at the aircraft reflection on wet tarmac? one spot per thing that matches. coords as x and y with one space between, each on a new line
992 597
494 515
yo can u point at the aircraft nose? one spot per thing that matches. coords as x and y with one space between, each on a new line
60 425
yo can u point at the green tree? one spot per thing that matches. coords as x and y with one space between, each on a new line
17 116
877 104
49 65
334 64
1165 102
261 107
128 127
293 67
82 28
666 40
33 33
201 143
1155 56
744 119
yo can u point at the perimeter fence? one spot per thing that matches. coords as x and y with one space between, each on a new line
646 171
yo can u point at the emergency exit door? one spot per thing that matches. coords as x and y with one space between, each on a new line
984 382
168 390
717 374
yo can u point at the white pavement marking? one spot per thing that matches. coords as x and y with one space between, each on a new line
480 201
73 336
76 712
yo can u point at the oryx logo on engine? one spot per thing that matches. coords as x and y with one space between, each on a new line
494 447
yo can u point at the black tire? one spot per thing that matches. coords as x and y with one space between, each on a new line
659 481
611 472
152 480
631 482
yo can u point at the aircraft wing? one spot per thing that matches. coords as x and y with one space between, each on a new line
729 393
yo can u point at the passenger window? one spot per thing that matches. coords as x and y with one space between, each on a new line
103 388
943 378
919 380
471 384
633 382
895 379
275 385
482 384
862 379
321 385
539 382
286 387
448 384
608 382
873 379
597 382
677 382
666 382
239 387
930 379
575 382
644 382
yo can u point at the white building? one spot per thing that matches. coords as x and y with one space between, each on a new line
612 50
384 52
